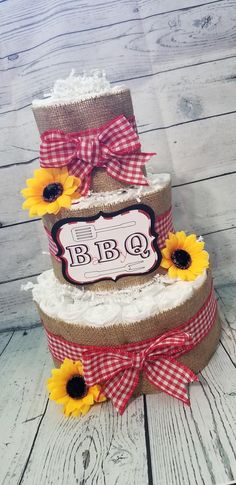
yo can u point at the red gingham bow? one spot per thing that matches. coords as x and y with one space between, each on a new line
119 370
114 146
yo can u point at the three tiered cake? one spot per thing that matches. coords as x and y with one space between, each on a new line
129 306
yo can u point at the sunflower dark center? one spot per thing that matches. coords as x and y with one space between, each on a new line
52 191
76 387
181 259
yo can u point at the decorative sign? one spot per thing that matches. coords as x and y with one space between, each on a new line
107 245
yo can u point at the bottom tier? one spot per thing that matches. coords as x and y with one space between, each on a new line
153 335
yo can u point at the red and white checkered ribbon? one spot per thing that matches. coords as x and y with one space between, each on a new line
52 245
115 146
118 368
164 225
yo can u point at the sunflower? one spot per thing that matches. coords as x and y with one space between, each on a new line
49 190
67 386
184 256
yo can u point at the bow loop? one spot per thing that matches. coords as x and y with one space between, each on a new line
118 370
115 146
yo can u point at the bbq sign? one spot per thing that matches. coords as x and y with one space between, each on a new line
107 245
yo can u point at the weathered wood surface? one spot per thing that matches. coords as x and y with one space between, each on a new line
17 309
24 368
227 300
148 44
162 442
177 57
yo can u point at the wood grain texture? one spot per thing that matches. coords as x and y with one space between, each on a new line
227 300
133 49
102 447
17 309
196 445
24 368
28 248
202 149
4 341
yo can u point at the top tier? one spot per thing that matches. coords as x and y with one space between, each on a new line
82 103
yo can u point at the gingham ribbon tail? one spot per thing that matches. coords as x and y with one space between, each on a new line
114 146
119 371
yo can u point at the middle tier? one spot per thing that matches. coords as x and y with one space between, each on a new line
112 240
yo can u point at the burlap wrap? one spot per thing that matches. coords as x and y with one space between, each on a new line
83 115
159 201
119 334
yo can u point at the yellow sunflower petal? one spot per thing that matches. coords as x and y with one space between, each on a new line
64 201
43 175
196 248
88 399
71 405
85 408
185 274
53 207
166 253
33 211
101 398
42 209
76 413
30 202
190 241
172 244
166 263
63 400
70 190
58 393
181 236
172 272
97 394
79 367
31 192
68 182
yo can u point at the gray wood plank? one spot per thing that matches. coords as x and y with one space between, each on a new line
93 11
23 398
202 149
25 248
5 339
197 444
17 309
147 45
221 246
102 448
149 7
227 300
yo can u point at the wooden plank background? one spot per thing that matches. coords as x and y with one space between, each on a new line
179 59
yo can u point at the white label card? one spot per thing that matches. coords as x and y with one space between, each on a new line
107 245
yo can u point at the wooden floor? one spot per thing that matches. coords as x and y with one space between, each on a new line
157 440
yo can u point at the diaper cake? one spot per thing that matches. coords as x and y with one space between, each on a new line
128 306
